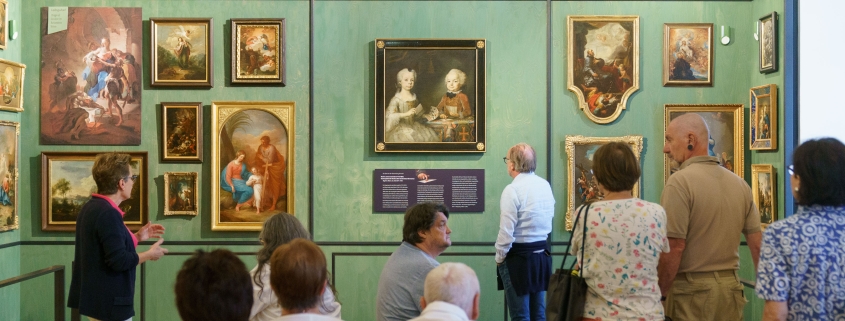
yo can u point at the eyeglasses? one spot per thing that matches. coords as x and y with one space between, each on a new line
132 177
506 160
791 170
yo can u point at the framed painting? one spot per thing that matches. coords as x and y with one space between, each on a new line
763 122
91 77
4 23
182 54
768 52
258 51
725 142
67 184
764 190
687 54
581 184
439 110
603 70
10 133
252 163
180 193
181 132
11 85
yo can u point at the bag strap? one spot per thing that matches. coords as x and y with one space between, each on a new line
584 239
575 223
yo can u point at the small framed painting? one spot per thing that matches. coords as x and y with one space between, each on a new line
10 133
181 132
726 134
67 184
181 52
11 85
180 193
763 122
768 53
258 51
581 184
764 190
4 23
687 54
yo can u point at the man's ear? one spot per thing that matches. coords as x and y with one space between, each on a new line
422 234
475 307
422 302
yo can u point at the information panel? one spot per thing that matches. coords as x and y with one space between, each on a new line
461 190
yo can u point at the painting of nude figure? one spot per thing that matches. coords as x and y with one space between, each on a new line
91 78
603 63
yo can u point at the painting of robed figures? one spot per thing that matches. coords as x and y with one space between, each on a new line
181 52
252 163
91 78
603 63
688 54
9 155
764 190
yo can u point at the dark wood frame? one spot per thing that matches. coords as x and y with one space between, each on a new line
667 55
209 53
46 157
167 177
382 95
15 176
281 65
164 134
774 67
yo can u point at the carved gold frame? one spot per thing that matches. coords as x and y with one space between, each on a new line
168 178
571 56
738 131
766 92
756 170
636 143
19 83
14 175
221 111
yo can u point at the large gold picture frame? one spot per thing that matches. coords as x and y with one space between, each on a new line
10 146
263 132
764 189
726 134
763 120
580 182
594 43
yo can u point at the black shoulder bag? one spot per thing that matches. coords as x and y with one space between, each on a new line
567 292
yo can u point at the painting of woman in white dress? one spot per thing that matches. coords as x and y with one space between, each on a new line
402 119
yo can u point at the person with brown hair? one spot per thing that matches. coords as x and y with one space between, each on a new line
102 285
278 230
213 286
298 275
624 238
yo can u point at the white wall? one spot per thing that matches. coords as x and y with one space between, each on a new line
821 69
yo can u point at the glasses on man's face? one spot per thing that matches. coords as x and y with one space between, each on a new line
132 177
506 160
791 170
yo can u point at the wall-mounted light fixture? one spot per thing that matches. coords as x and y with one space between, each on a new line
13 30
725 38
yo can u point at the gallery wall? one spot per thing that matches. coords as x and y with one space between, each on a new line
527 101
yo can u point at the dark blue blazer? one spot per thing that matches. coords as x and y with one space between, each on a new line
103 281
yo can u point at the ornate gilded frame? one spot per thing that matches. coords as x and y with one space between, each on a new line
572 185
10 134
712 115
223 111
15 103
172 178
4 19
278 37
669 56
169 118
576 52
155 73
765 206
766 95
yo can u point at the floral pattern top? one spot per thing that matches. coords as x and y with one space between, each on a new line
624 242
802 261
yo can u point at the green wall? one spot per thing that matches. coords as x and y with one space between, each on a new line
357 241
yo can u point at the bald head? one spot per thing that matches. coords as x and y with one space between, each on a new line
454 283
686 136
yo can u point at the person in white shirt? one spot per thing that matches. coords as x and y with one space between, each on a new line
451 294
280 229
299 277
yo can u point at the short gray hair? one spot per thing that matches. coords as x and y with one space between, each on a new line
523 158
454 283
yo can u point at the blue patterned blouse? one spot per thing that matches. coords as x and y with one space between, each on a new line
802 261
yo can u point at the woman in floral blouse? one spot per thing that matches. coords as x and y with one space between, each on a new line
625 236
801 274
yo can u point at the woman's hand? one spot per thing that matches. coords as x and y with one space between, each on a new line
150 230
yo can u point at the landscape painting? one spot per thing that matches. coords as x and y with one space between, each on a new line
181 53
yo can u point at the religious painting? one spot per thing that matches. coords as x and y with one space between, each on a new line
180 193
182 132
763 124
258 51
430 95
181 52
11 85
582 184
4 23
726 134
10 133
252 163
603 70
763 188
67 184
768 50
687 54
91 76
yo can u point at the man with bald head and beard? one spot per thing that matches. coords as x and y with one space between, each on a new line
707 208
